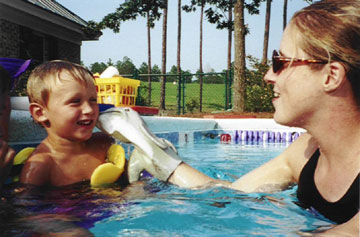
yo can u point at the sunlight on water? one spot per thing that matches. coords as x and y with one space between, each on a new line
153 208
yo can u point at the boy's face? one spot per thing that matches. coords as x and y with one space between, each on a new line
72 109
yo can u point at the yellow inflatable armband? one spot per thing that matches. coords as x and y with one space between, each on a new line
23 155
20 159
110 172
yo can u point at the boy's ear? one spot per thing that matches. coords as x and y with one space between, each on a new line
38 113
335 78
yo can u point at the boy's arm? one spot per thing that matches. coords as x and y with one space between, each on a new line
36 170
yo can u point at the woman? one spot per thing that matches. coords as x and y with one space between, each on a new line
316 79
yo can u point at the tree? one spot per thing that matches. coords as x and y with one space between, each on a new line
285 11
125 66
239 62
258 94
285 14
266 32
217 16
130 10
174 70
178 60
189 8
163 65
110 62
143 69
98 67
156 70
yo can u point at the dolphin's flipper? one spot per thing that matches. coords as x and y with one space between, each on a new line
155 155
161 165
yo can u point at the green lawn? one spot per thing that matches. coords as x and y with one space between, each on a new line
213 95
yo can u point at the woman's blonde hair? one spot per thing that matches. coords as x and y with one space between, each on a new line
46 75
330 31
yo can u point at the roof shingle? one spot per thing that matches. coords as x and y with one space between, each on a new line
57 8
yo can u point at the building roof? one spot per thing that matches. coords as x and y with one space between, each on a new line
55 7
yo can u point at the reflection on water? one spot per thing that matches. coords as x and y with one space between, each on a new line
75 208
150 207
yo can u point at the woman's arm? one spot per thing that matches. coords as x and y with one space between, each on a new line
281 171
349 228
275 174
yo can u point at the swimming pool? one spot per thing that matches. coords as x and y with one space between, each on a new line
153 208
172 211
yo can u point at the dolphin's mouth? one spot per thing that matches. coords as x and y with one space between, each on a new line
114 111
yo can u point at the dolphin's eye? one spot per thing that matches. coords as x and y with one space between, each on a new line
127 110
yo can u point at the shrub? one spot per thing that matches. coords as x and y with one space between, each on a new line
192 105
258 94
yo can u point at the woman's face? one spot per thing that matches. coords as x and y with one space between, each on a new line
297 88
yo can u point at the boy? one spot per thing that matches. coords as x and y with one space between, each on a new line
63 100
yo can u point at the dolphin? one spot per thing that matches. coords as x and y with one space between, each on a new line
156 155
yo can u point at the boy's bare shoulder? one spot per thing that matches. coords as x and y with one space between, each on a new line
42 157
37 169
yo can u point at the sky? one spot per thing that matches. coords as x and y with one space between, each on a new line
131 41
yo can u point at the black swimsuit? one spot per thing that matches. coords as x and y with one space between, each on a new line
309 197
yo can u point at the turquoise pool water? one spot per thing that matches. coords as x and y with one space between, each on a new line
153 208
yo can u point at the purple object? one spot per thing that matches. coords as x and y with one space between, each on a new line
236 138
272 136
283 137
261 136
240 135
289 137
256 136
14 66
296 135
251 136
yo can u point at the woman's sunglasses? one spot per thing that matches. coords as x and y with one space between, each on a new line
279 61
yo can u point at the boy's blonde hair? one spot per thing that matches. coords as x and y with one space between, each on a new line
45 76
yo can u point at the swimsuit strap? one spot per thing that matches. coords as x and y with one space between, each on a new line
309 196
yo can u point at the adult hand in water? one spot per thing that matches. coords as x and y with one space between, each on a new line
6 160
